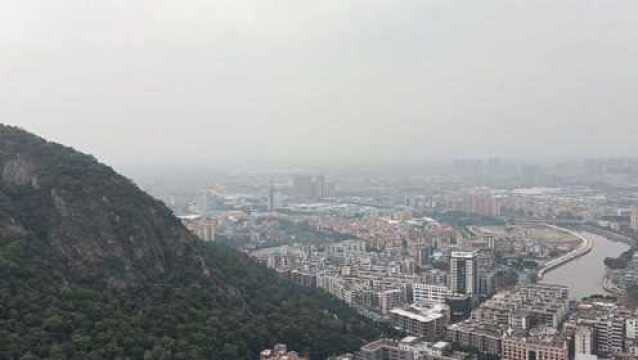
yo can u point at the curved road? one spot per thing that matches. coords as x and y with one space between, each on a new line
585 247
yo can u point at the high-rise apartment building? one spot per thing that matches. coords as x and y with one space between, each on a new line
610 335
272 197
481 204
319 189
303 187
464 273
390 299
631 328
608 321
584 340
634 219
312 188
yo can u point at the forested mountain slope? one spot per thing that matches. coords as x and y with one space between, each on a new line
91 267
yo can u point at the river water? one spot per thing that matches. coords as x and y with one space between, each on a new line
585 275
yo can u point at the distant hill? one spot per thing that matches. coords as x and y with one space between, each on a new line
93 268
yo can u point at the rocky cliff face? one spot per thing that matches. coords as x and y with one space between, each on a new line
94 224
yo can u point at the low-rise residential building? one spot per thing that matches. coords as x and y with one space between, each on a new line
280 352
409 348
584 340
425 294
428 322
390 299
424 350
348 249
384 349
545 346
436 277
204 228
307 279
483 336
631 328
521 311
526 307
460 307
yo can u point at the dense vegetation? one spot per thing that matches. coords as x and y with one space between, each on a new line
632 293
93 268
302 232
621 261
462 219
40 318
507 279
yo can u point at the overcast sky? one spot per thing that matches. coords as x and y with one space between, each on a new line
322 81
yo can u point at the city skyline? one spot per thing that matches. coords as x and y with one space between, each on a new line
319 180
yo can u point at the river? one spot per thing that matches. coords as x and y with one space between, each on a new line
585 275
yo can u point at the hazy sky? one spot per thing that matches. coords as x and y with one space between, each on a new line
319 81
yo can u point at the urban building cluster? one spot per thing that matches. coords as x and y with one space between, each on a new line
390 284
439 261
381 232
537 322
602 328
511 318
280 352
530 322
409 348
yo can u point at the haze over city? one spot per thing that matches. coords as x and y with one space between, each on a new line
318 180
226 83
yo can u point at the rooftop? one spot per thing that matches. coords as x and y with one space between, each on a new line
464 254
427 317
490 329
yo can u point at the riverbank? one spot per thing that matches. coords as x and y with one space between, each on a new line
611 235
611 288
584 248
585 274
